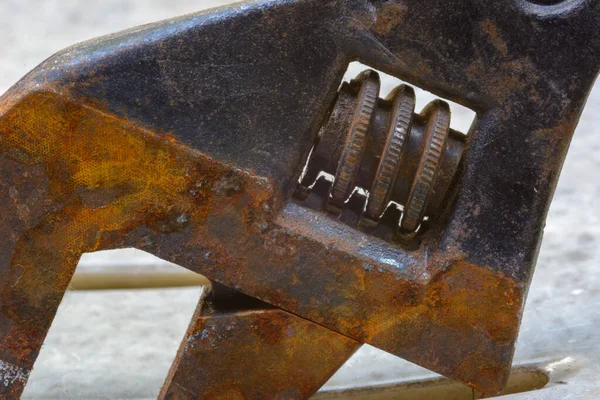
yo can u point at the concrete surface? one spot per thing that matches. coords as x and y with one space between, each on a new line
134 334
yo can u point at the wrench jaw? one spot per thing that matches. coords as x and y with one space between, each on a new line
238 347
153 139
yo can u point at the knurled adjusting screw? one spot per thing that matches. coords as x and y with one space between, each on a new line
382 146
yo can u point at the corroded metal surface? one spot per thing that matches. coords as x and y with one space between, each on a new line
153 139
238 348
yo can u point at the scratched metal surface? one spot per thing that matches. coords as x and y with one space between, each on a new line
561 318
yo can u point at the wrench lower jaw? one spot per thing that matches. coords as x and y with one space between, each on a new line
237 347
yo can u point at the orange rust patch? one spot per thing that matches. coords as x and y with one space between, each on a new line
492 31
117 170
467 295
389 17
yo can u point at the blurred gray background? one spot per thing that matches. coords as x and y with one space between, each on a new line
126 355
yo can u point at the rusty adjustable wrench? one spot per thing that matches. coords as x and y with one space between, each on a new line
188 138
